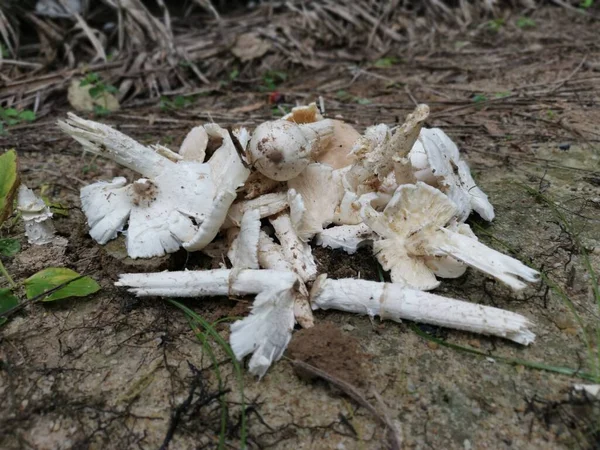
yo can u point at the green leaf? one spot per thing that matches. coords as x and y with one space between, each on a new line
101 110
525 22
27 115
479 98
55 276
585 4
384 63
9 181
7 302
11 112
96 91
111 89
9 247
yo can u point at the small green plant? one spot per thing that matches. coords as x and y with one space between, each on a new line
272 79
347 97
178 102
496 24
525 22
234 74
480 98
550 114
99 90
206 332
4 51
12 116
502 94
585 4
384 63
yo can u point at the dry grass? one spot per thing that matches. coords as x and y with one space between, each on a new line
149 49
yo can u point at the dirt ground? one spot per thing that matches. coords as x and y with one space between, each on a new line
115 372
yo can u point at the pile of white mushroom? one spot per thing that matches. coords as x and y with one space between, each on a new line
263 199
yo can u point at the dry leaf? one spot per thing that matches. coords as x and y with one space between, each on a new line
249 46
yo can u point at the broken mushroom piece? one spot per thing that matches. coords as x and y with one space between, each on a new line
346 237
435 160
266 332
271 256
281 150
193 147
39 228
395 302
378 151
314 196
267 205
411 228
296 252
336 152
176 203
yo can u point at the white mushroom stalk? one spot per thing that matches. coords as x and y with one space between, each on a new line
271 256
395 302
435 160
267 205
39 228
281 150
411 228
346 237
378 151
176 203
266 332
296 252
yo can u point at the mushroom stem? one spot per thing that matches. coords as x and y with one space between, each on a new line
297 252
105 141
394 302
475 254
206 283
270 256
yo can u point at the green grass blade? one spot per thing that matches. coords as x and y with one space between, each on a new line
226 347
511 361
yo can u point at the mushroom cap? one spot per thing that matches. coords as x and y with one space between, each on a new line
337 152
279 150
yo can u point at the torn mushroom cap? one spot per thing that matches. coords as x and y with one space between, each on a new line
412 227
336 153
435 160
176 203
39 228
281 150
314 196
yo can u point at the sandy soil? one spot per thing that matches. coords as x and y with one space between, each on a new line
115 372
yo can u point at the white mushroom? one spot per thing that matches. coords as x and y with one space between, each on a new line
346 237
193 147
314 196
281 150
296 252
435 160
39 228
267 205
266 332
176 203
411 228
395 302
271 256
379 150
